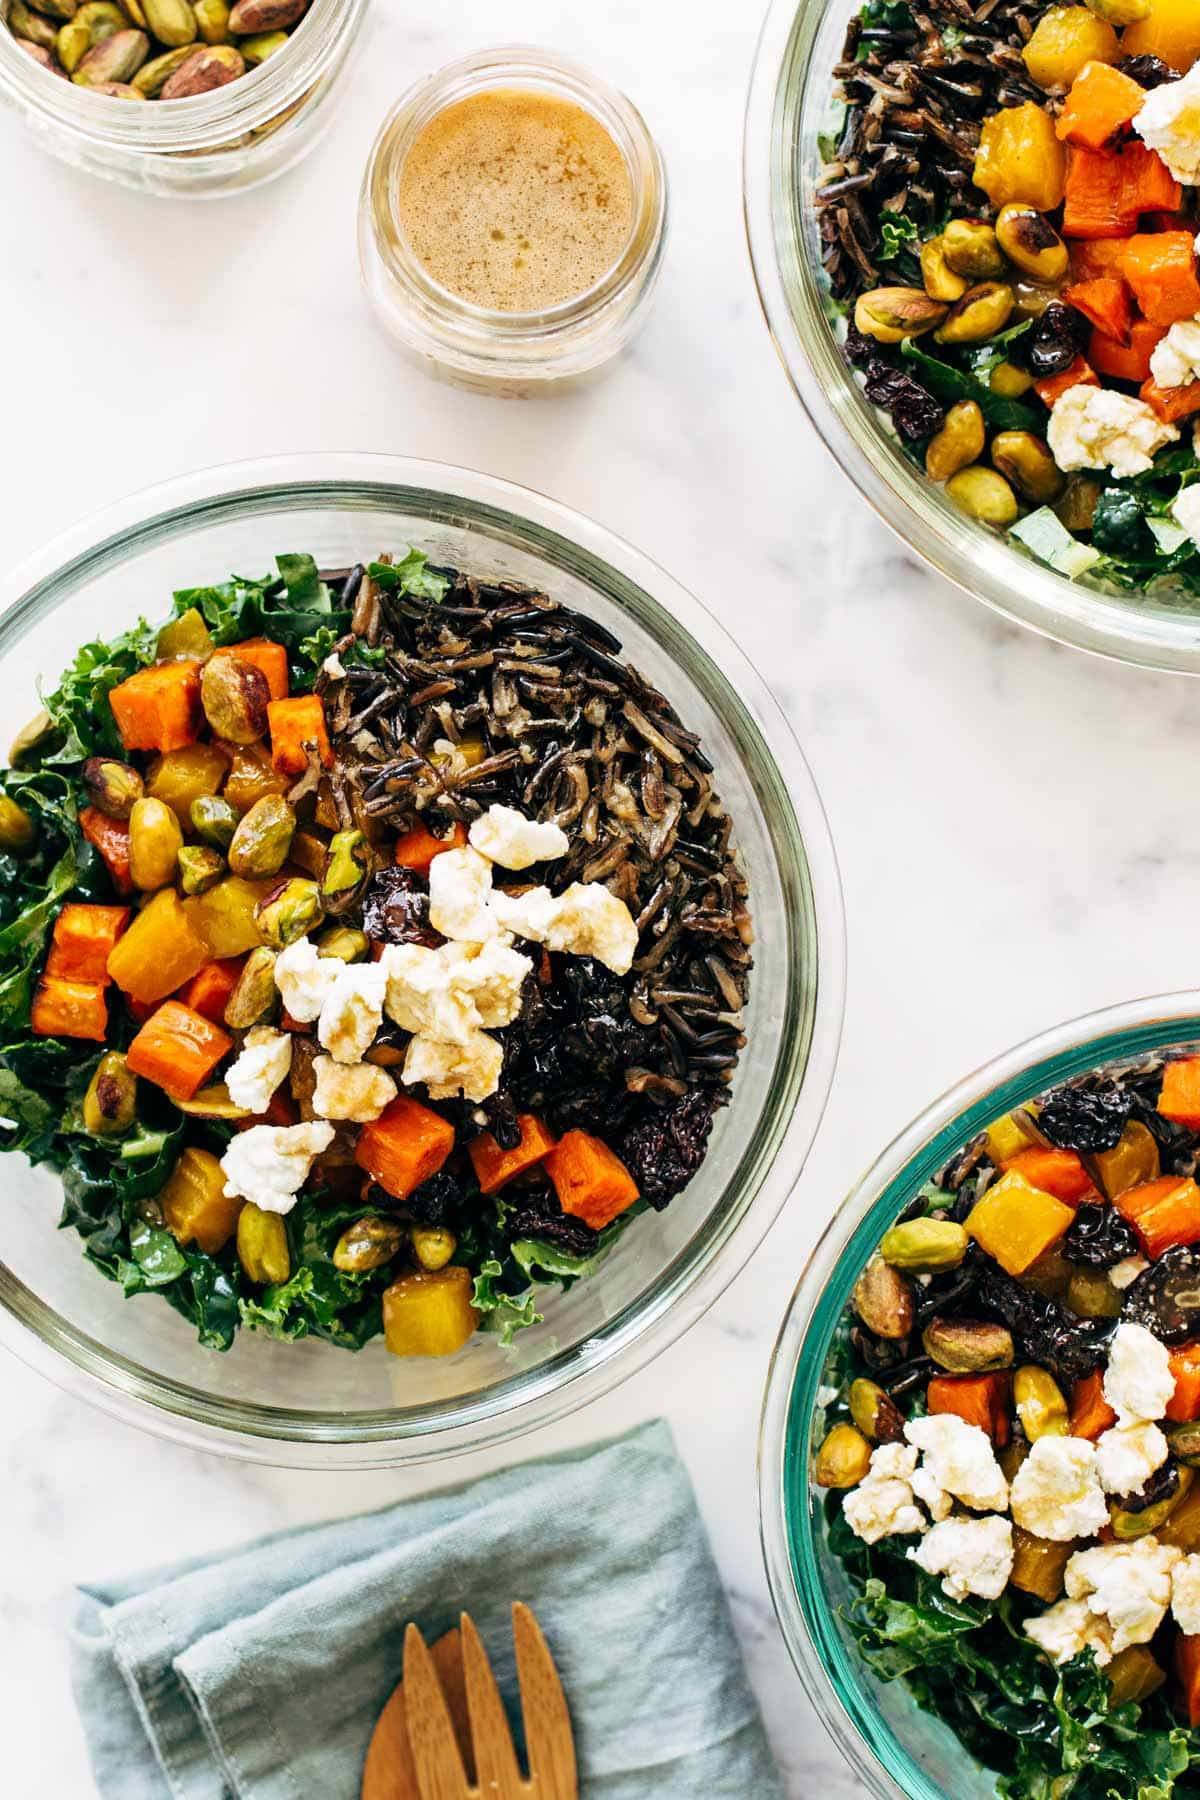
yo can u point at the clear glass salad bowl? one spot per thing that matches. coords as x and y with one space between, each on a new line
308 1403
790 105
895 1748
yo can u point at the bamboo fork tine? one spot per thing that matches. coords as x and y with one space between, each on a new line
496 1768
548 1735
431 1737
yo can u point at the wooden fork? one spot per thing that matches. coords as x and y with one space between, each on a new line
440 1769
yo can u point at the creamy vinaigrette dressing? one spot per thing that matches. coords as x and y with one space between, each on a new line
515 200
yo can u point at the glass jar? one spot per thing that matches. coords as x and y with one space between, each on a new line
478 347
224 142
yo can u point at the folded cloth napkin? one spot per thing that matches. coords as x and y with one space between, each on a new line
260 1675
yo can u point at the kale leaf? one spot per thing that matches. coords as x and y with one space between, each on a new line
949 383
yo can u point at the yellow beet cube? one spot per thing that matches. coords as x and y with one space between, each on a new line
1064 39
1038 1565
188 636
1020 159
1005 1139
1172 31
224 917
159 952
181 776
429 1313
195 1205
1015 1223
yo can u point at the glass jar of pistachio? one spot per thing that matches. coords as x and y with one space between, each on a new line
177 97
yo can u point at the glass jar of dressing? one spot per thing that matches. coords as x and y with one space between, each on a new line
512 223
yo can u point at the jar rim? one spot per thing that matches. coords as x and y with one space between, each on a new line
510 65
201 122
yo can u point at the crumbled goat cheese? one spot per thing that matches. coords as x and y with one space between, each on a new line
494 976
1099 428
586 920
471 1069
357 1091
1128 1455
454 990
269 1164
333 666
932 1495
1185 1595
1138 1382
960 1459
304 978
264 1062
460 886
882 1504
1056 1492
1068 1628
507 837
1185 509
1127 1584
353 1011
1126 1272
973 1556
1169 122
1175 359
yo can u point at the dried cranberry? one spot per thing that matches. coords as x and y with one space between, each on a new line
1058 337
663 1151
913 410
1148 71
395 909
1089 1119
1098 1238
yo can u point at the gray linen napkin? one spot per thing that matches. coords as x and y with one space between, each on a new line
259 1676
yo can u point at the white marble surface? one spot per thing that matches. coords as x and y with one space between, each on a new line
1017 825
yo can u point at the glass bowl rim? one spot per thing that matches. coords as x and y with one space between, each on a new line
829 1672
978 562
84 1367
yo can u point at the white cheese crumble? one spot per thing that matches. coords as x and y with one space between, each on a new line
1056 1492
269 1164
1126 1272
454 990
1169 122
1068 1628
507 837
353 1011
1175 359
460 886
265 1059
960 1459
1128 1455
586 920
1185 1595
357 1091
1138 1382
305 978
494 976
1098 428
333 666
1129 1585
937 1502
882 1504
471 1068
973 1556
1185 509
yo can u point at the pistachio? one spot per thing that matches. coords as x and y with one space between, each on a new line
1040 1404
1010 382
34 28
263 838
213 1103
172 21
118 58
59 9
17 827
924 1246
113 787
1025 461
110 1103
1120 12
890 314
103 19
290 911
214 820
137 13
212 16
155 841
256 50
151 80
968 1346
347 865
249 17
1185 1443
215 66
875 1412
1129 1525
1092 1295
116 90
1030 241
941 282
199 868
343 941
883 1300
367 1244
262 1245
981 313
970 248
983 494
45 59
254 995
31 738
234 693
843 1459
71 44
959 442
433 1246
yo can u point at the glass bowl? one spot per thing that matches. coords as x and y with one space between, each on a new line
789 106
310 1404
895 1748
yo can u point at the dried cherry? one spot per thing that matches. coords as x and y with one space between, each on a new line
664 1149
1148 71
1165 1298
1098 1238
395 909
1085 1118
1046 1333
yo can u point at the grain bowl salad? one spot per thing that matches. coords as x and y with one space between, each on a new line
373 950
1012 1442
1008 220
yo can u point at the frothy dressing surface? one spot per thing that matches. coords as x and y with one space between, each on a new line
516 200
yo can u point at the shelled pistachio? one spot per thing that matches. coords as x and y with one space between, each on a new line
153 49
